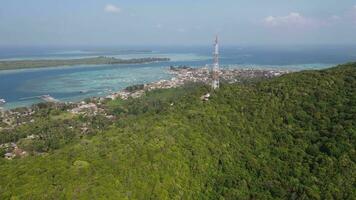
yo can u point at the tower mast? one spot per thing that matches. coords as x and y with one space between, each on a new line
216 83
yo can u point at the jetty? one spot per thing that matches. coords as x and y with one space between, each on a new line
46 98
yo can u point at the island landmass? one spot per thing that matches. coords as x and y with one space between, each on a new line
262 135
101 60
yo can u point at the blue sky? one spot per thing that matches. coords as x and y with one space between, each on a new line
176 22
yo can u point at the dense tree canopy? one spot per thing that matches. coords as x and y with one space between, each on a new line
291 137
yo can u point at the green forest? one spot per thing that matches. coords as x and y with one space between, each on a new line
291 137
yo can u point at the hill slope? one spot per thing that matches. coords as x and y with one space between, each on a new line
292 137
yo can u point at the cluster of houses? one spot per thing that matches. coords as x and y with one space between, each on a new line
13 118
235 75
85 108
12 150
181 76
185 74
91 109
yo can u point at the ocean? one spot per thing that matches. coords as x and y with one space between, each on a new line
79 82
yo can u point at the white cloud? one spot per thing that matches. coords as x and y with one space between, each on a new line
296 20
335 17
112 8
198 27
159 26
352 14
181 30
292 19
348 17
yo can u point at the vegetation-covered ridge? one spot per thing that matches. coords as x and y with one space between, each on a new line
24 64
291 137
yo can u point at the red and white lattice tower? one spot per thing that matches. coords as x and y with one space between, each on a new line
216 68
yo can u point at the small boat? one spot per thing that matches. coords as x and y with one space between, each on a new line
2 101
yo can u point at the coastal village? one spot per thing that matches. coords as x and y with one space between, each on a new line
10 119
95 106
184 74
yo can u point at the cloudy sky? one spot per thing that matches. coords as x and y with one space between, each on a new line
176 22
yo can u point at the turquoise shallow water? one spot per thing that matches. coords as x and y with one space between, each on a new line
78 82
97 81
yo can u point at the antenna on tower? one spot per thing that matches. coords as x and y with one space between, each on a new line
216 67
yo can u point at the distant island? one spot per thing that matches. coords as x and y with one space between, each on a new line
26 64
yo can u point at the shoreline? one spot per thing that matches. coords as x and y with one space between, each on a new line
14 117
181 75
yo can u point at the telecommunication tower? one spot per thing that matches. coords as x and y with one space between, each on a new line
216 82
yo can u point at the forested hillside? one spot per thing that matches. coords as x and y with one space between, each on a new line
291 137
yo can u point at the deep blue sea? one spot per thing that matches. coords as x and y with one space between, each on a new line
78 82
